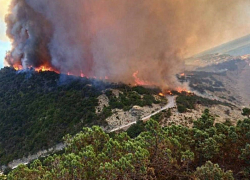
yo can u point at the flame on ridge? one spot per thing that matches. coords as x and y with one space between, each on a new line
180 90
46 68
38 69
137 80
140 82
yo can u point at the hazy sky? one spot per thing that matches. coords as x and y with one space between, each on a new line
4 42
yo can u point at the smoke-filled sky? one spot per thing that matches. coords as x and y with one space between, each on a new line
117 38
4 42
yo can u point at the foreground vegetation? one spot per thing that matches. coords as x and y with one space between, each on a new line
206 151
38 109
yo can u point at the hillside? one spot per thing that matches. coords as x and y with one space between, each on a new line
227 80
38 109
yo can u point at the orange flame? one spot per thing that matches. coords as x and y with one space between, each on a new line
170 93
47 68
43 69
161 94
180 90
39 69
182 74
17 67
140 82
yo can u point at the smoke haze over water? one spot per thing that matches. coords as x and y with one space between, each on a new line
117 38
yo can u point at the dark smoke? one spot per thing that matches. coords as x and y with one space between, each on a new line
31 34
116 38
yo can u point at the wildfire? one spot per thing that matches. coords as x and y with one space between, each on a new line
180 90
182 74
161 94
46 68
140 82
39 69
170 93
17 67
43 69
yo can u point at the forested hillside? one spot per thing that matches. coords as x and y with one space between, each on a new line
38 109
207 151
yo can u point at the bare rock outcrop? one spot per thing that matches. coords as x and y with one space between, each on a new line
103 101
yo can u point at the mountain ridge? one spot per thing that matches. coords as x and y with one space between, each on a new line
237 47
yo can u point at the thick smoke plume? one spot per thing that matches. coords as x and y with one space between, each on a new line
117 38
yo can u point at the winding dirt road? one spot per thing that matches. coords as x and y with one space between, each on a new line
171 104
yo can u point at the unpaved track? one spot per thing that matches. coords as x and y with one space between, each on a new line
171 104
